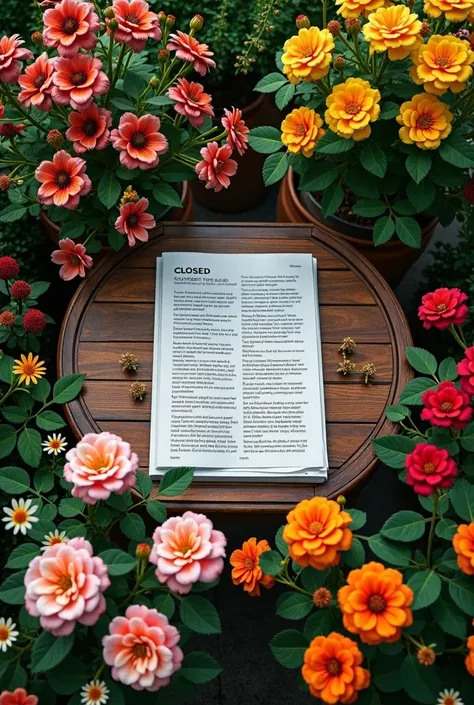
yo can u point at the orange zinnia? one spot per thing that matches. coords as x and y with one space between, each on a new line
316 532
469 661
307 56
352 105
246 569
463 544
332 669
425 121
375 603
444 63
301 130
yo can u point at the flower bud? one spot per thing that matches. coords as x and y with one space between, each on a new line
113 25
334 27
129 196
163 56
162 18
322 598
471 40
463 34
55 139
425 30
196 23
426 656
302 22
339 63
5 182
142 551
154 82
341 500
353 25
109 13
37 38
170 20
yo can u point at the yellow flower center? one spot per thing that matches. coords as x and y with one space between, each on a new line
54 540
4 633
424 122
442 61
65 583
300 130
352 108
333 667
19 516
446 406
441 307
376 604
315 528
140 651
249 563
95 693
429 468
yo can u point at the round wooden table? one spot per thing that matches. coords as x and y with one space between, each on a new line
112 313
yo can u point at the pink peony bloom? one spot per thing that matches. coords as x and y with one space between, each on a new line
466 371
77 80
189 49
36 84
187 549
135 23
11 54
70 26
134 222
89 128
73 258
443 308
100 464
191 101
63 181
18 697
216 167
139 141
446 406
65 585
237 130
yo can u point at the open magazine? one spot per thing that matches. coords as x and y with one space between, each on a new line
237 371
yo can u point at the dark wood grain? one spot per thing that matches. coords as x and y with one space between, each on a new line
112 313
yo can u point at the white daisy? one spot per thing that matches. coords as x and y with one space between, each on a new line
94 693
53 538
55 444
7 633
20 516
449 697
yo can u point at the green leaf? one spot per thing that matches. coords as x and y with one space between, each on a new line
14 480
49 651
393 553
39 288
370 207
355 556
12 591
418 164
118 562
6 368
427 588
22 555
462 499
271 83
467 438
280 543
332 199
69 676
174 172
428 504
200 615
40 391
270 562
404 207
389 111
446 528
359 519
392 450
457 151
383 230
175 481
404 526
275 168
372 158
362 183
115 240
159 100
420 683
412 393
15 211
397 412
73 230
284 95
421 360
461 589
144 484
49 421
199 667
408 231
67 388
133 84
166 195
109 189
44 480
448 369
293 605
133 527
449 617
156 510
123 104
320 623
71 507
313 579
319 176
386 674
265 140
29 446
14 414
288 648
330 143
165 604
7 440
421 195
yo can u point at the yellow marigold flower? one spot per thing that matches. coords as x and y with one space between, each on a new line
307 55
352 105
301 130
454 10
426 121
394 29
444 63
29 369
354 8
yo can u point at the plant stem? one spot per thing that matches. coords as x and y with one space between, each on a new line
434 516
21 110
325 13
456 337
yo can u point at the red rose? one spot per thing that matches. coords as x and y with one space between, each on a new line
466 371
446 406
430 468
443 308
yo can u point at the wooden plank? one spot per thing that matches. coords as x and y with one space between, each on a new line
133 322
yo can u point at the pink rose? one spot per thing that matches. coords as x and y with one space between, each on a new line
100 464
142 648
65 585
187 549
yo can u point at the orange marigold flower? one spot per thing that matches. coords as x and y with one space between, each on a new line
394 29
425 121
354 8
316 532
322 598
301 130
442 64
307 55
463 544
454 10
469 661
375 603
352 105
246 569
332 669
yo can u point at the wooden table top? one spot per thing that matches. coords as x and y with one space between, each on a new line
112 313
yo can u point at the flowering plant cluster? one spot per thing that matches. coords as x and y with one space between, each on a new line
100 138
401 618
382 131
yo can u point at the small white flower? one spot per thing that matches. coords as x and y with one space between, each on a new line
53 538
7 633
20 516
94 693
55 444
449 697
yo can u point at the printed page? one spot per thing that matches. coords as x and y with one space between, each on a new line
239 373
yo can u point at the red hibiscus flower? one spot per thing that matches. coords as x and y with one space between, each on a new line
89 128
36 84
134 222
430 468
73 258
70 26
466 371
78 80
443 308
446 406
63 181
11 54
216 167
236 128
135 23
139 141
18 697
188 49
191 101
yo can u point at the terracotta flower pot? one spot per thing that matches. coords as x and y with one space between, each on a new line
392 259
